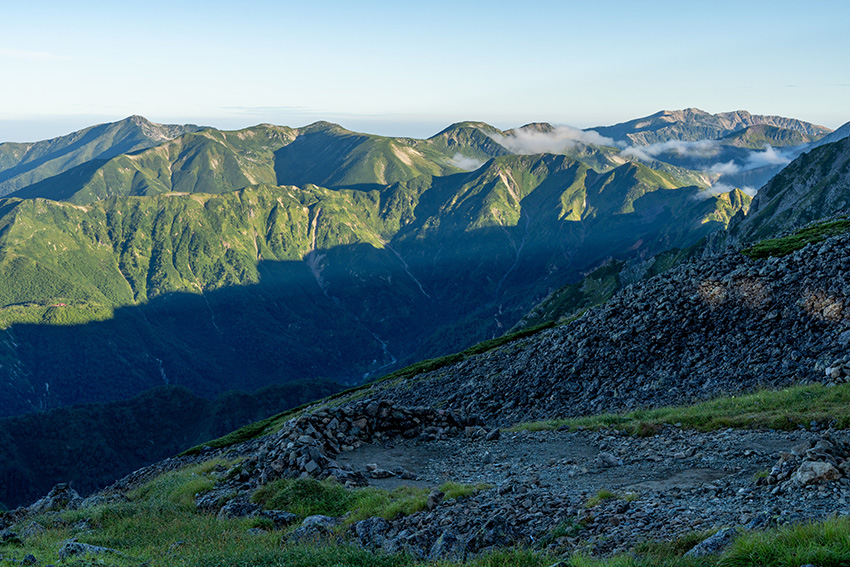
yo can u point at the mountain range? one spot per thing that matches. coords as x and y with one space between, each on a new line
179 255
265 235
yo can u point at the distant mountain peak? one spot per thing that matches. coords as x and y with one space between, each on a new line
543 127
692 124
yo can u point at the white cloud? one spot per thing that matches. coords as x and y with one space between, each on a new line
769 156
466 163
558 140
720 188
727 168
700 148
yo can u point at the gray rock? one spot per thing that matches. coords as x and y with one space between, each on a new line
60 497
606 460
239 509
812 472
73 548
280 518
29 559
714 544
372 532
434 498
314 528
101 499
448 546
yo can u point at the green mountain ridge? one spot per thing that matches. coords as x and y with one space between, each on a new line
758 136
22 165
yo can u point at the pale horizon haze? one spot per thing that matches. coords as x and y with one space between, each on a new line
411 69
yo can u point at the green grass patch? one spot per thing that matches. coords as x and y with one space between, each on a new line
307 497
605 494
826 544
181 486
454 490
787 244
668 550
784 409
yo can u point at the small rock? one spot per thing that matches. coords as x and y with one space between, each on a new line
448 546
434 498
381 473
29 559
606 460
238 509
314 528
714 544
60 497
280 518
72 548
372 531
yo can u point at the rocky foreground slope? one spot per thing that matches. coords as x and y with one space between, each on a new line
711 327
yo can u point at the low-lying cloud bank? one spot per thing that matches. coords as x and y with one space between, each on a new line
699 149
555 141
466 163
705 149
719 188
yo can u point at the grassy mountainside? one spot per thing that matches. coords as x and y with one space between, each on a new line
22 165
213 161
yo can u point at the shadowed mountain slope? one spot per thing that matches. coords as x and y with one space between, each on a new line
317 282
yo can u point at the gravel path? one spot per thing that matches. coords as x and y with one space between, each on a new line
665 486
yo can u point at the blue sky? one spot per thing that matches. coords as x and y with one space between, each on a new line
411 68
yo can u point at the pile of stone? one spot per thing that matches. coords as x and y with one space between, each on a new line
306 447
512 514
815 461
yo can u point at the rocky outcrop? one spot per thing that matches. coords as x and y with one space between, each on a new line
61 497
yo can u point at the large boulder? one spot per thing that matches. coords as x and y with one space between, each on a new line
60 497
813 472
